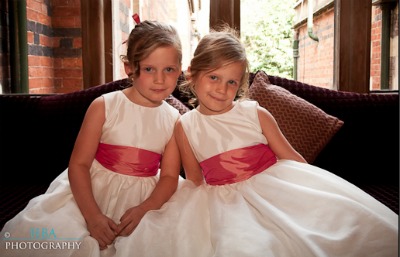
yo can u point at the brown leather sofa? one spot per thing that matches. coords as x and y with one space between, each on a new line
37 134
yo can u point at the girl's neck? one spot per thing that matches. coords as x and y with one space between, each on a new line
206 111
133 95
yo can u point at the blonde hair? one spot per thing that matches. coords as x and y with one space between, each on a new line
145 38
222 46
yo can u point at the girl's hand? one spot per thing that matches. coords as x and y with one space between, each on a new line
130 220
103 229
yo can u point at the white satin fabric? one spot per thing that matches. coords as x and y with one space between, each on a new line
127 124
290 209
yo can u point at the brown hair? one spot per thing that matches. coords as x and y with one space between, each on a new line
145 38
222 46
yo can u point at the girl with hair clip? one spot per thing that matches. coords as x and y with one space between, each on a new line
247 191
125 161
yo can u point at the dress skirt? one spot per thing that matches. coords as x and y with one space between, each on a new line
55 217
290 209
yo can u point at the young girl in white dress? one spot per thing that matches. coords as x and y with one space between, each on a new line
247 191
114 175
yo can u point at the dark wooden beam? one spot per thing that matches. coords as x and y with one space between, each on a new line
225 11
93 58
108 41
352 45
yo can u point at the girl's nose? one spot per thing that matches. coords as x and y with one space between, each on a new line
221 88
159 77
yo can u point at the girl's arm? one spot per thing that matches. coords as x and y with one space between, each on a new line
169 174
165 188
99 226
276 140
190 164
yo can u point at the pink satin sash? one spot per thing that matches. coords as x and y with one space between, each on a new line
238 164
128 160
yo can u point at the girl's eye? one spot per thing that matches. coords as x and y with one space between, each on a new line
232 82
212 77
148 69
169 69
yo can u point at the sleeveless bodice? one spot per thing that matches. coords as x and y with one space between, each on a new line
134 136
230 147
234 129
129 124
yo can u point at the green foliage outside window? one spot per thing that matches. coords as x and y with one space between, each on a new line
266 30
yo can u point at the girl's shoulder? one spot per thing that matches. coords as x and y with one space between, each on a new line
247 104
240 106
112 95
243 109
188 115
172 110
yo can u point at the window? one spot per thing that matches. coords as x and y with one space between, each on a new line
188 17
60 47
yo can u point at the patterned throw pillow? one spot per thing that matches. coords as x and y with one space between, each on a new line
305 126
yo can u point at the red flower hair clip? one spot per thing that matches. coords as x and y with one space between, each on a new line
136 19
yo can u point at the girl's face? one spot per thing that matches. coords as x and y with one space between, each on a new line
159 73
216 90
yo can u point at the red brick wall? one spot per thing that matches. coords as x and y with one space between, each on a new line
54 46
315 62
376 32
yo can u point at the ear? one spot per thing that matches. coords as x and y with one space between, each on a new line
128 69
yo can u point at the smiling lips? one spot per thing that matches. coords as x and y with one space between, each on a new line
159 90
217 99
